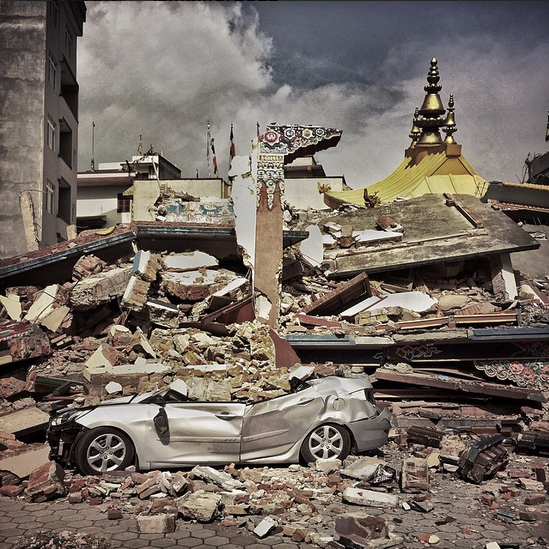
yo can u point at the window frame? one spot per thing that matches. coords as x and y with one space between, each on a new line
52 71
51 133
50 197
54 12
123 204
69 41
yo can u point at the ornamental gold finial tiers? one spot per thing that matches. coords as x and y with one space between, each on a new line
415 132
450 126
433 78
431 117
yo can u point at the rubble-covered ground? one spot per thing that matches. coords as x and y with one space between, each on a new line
50 539
408 494
136 324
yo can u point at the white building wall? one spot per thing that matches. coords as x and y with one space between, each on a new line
303 193
93 201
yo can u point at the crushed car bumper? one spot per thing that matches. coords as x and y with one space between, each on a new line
61 441
371 433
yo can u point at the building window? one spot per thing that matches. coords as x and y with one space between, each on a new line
50 137
68 43
54 12
50 196
52 71
64 204
124 204
65 142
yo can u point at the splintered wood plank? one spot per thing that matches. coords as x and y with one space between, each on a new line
345 293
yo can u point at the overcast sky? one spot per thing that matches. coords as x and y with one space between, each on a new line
162 69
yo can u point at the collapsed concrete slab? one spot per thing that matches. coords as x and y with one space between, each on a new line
103 288
21 341
23 422
23 459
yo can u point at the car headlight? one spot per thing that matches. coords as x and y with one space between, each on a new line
67 416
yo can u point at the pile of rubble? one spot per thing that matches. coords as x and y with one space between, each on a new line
134 324
421 479
44 539
150 317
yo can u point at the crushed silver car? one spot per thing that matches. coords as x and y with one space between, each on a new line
328 417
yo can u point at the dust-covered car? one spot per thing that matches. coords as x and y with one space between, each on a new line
328 417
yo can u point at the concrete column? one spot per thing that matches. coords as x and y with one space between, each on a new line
277 146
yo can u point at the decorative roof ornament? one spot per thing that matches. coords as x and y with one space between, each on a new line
279 145
450 126
431 117
415 132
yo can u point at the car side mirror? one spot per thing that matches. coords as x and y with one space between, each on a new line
161 423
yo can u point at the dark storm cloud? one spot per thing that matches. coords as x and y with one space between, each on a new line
163 69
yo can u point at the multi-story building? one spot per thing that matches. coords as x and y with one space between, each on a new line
38 122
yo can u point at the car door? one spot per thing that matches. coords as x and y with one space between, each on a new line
272 428
197 433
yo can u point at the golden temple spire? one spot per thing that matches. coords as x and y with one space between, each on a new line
431 117
415 132
450 126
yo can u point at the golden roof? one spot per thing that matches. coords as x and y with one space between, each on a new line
436 173
431 164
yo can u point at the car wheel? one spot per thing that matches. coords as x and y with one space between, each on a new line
103 449
326 441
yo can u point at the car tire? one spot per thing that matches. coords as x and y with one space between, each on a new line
328 441
103 449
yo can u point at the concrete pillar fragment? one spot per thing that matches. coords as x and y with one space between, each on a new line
279 145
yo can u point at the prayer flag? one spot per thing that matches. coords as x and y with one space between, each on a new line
208 145
214 160
232 150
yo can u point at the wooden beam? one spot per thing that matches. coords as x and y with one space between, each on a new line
454 384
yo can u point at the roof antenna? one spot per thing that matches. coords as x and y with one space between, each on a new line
208 145
92 163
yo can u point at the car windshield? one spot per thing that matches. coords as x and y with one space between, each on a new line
164 394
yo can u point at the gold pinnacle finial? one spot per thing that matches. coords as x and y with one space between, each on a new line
450 126
433 77
431 117
415 132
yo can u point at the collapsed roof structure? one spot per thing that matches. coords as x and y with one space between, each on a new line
419 293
